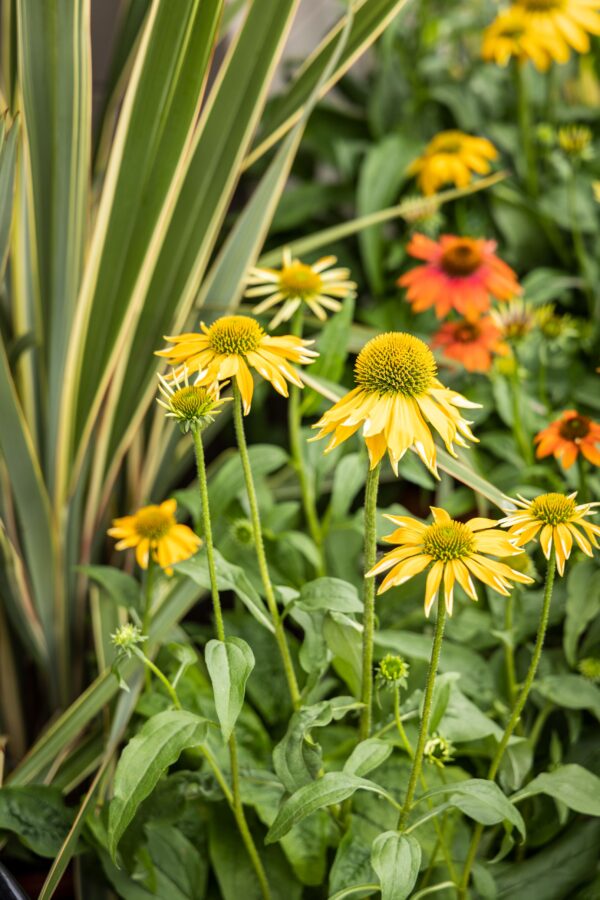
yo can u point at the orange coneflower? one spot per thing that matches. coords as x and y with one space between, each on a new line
569 436
460 273
471 342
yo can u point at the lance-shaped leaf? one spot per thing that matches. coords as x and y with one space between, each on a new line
229 665
154 748
396 858
480 800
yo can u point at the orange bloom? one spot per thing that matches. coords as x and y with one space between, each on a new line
567 437
459 273
471 342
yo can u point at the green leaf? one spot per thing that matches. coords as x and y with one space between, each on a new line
570 691
297 757
344 639
330 593
122 588
396 858
180 869
348 478
583 604
480 800
332 788
229 665
571 784
352 891
156 746
37 815
367 755
229 578
228 483
332 345
8 147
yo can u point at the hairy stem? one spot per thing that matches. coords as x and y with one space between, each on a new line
370 554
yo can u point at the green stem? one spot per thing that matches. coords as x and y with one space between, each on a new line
516 713
578 243
509 654
427 703
260 550
583 485
521 439
160 675
307 493
148 590
370 555
235 800
524 118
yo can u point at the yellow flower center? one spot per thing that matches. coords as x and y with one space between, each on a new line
575 428
448 540
462 258
395 363
235 335
191 402
553 509
299 280
541 5
152 523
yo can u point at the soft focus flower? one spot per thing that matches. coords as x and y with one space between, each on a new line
575 141
471 342
126 637
422 211
452 156
453 551
438 751
561 22
393 671
590 668
318 286
558 519
569 436
397 398
227 348
515 320
460 273
513 34
193 405
154 530
558 329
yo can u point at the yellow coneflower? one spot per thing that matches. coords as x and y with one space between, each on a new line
575 141
397 398
454 551
318 286
561 22
452 156
513 34
193 405
230 347
154 532
558 519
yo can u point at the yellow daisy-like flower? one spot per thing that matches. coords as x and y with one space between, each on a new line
397 398
558 519
193 405
318 286
452 156
454 551
230 347
153 530
513 34
563 21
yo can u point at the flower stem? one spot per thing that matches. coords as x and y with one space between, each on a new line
427 703
260 550
583 485
521 439
509 655
147 611
236 797
370 554
160 675
306 486
516 713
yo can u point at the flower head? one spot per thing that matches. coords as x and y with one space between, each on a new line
515 320
193 405
575 141
397 398
513 34
318 286
438 751
562 22
154 531
567 437
452 156
471 342
422 211
558 519
230 347
556 329
393 671
126 637
453 551
460 273
590 668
